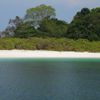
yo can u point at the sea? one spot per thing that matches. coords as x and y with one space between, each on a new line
49 79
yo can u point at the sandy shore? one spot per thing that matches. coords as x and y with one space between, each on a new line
45 54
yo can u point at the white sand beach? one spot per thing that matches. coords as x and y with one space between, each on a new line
45 54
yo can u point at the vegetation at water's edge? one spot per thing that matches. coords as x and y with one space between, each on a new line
56 44
41 21
39 29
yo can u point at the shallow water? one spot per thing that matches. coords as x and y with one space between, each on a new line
49 79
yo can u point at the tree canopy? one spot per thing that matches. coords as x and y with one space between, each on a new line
40 21
86 25
53 27
36 14
12 25
24 30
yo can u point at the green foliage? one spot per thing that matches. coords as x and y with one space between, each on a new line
24 30
7 44
53 27
57 44
13 23
35 15
86 25
40 22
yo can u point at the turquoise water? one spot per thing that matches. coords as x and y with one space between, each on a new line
49 79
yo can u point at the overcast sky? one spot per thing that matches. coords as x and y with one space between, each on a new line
65 9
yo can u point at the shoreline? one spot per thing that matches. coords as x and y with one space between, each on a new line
46 54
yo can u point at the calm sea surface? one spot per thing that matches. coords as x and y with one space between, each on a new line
52 79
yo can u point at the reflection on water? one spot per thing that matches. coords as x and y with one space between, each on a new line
49 80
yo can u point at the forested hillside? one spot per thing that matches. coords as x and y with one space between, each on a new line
41 22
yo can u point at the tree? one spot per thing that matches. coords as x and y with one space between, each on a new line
24 30
82 13
15 22
12 25
53 27
37 14
9 31
85 11
86 25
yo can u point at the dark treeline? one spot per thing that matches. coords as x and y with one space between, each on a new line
41 21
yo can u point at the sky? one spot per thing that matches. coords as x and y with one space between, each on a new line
65 9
